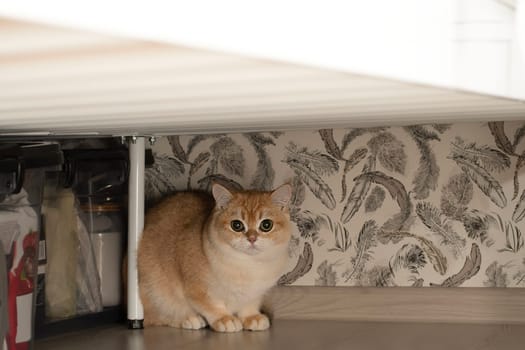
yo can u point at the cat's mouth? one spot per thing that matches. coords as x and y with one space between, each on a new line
252 249
247 247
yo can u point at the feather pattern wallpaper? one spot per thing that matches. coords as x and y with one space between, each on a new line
422 206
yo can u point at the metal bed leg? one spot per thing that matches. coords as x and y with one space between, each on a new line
135 227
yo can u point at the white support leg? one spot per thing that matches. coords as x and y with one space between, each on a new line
135 227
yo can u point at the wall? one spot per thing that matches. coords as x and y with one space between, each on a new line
488 47
392 206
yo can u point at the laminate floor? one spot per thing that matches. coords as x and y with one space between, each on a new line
300 335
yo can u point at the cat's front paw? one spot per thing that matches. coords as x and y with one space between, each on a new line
259 322
227 324
193 322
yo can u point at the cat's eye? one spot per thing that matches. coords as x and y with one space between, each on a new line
237 225
266 225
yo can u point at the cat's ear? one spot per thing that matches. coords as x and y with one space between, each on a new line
221 194
281 196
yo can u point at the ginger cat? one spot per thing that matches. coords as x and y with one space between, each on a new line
204 260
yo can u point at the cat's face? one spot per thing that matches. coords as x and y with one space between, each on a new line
252 223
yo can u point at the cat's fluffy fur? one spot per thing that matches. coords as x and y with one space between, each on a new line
194 269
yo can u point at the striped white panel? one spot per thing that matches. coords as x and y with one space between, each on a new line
69 82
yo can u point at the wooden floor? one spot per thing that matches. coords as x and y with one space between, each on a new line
301 335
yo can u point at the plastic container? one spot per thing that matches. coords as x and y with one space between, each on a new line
22 172
72 285
99 181
3 298
104 218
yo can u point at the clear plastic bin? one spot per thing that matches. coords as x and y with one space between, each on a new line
104 219
99 181
23 169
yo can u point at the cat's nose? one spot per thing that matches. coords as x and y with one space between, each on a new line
252 238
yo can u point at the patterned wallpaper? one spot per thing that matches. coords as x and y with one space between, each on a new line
387 206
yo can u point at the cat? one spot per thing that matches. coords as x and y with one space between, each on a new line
209 260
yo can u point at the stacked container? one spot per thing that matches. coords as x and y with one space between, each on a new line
22 173
99 181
